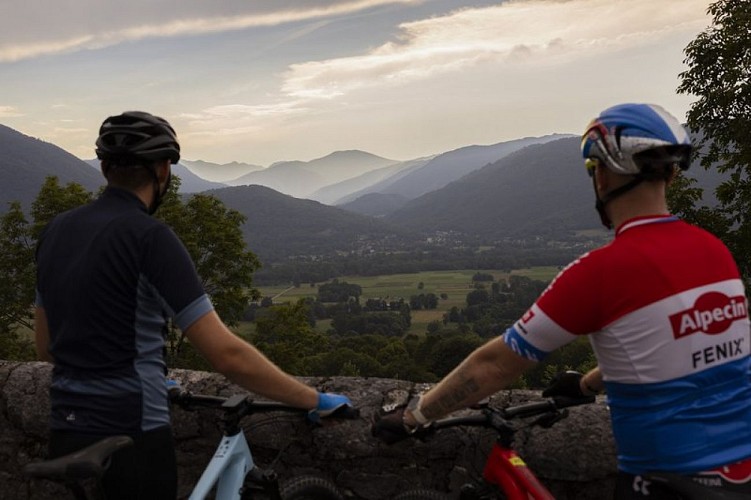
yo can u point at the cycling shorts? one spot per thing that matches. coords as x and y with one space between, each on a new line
735 478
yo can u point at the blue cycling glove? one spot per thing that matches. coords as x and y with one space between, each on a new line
328 403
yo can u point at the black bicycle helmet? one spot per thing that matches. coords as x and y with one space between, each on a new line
137 135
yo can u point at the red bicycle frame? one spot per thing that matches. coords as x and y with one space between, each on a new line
505 468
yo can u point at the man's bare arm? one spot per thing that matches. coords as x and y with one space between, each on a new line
487 370
245 365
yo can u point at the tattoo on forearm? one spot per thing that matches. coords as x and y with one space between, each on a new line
452 400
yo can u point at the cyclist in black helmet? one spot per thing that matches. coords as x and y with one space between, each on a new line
108 277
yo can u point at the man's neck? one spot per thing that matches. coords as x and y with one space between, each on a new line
644 200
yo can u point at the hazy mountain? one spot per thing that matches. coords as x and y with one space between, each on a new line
219 172
279 225
336 194
26 162
376 204
301 179
447 167
541 190
189 182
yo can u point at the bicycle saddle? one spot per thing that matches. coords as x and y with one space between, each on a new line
690 489
88 462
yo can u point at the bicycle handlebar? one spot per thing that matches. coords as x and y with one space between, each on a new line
541 407
244 405
490 417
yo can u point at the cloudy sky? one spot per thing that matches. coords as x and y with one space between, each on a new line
268 80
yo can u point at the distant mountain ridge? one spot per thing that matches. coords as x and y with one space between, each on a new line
189 182
300 179
338 193
216 172
448 167
540 190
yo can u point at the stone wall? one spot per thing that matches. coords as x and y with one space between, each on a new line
575 458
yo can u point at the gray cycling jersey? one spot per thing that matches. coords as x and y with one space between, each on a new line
108 277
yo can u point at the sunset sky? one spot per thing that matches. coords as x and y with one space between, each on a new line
269 80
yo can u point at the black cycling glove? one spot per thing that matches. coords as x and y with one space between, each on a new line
391 428
567 384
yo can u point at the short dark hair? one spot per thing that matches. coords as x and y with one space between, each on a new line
128 175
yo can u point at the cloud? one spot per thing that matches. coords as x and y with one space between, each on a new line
239 119
9 112
124 26
517 32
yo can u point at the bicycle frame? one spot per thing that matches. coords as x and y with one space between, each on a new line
231 468
227 469
505 469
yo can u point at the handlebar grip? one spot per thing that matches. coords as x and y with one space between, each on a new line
346 411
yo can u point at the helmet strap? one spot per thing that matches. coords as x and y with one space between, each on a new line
608 197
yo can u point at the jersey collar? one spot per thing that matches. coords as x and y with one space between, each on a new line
641 221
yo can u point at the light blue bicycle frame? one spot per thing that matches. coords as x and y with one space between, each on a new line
227 469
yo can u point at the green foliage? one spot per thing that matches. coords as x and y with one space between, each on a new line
209 230
284 334
338 292
54 199
719 74
577 355
18 240
423 301
17 270
478 276
212 235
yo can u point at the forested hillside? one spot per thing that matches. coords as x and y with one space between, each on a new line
26 162
279 225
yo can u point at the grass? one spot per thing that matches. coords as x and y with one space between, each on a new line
454 284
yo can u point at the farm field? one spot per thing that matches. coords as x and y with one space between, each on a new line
454 284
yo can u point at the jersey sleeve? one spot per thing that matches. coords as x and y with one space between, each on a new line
569 307
170 270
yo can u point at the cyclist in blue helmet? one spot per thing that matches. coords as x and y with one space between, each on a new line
666 313
109 277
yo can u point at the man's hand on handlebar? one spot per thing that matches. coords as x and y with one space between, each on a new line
332 404
391 428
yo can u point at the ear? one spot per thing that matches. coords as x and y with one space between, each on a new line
601 178
163 170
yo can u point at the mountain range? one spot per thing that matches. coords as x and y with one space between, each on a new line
527 188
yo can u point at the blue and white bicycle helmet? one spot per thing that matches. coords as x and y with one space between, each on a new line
631 139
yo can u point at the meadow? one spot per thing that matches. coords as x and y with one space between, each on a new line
453 285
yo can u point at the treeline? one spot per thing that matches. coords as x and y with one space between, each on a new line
509 256
370 339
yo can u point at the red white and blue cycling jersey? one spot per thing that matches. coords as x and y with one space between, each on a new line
669 324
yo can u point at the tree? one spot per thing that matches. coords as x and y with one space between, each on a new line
284 334
212 234
54 199
16 283
719 74
17 243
